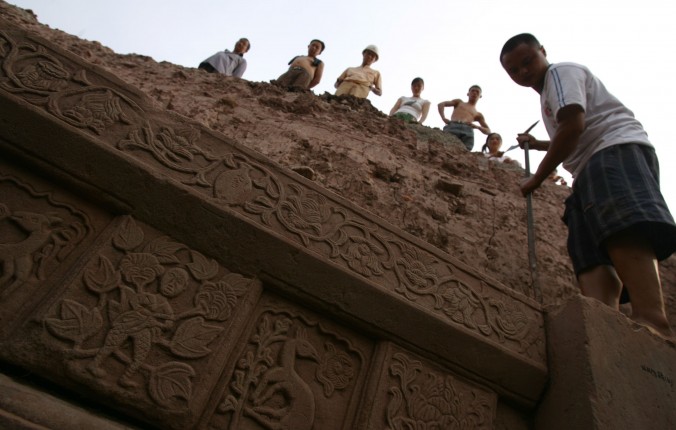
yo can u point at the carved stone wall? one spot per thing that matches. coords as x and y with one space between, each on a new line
185 282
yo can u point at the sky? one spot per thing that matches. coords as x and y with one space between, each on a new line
451 45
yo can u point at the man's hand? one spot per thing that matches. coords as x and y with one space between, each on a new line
529 185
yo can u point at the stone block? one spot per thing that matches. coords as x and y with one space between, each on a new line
606 372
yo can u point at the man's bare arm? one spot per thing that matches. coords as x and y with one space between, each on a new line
482 127
571 125
442 105
318 75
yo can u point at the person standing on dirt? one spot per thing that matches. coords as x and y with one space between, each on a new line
618 222
305 71
226 62
463 117
360 81
412 109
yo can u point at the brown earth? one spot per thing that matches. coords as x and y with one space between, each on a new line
415 177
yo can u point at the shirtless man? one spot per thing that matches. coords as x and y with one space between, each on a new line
463 117
305 71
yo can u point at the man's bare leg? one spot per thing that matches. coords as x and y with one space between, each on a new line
601 283
636 265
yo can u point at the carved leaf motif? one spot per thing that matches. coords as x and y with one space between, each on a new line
103 278
129 236
164 249
202 268
75 322
192 337
169 382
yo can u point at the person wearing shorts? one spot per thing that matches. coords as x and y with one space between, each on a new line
619 224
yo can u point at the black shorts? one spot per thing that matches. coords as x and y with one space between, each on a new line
617 189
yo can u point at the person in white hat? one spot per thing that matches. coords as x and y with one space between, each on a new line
360 81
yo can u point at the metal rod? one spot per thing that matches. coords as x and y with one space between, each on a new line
532 263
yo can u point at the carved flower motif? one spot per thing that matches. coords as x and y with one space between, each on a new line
140 269
219 299
177 145
419 277
336 371
305 213
458 306
362 257
44 75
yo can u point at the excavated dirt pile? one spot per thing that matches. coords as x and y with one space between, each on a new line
417 178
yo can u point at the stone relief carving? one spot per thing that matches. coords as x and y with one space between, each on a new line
159 307
424 399
283 376
247 186
32 241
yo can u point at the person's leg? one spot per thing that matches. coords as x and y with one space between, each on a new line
634 260
601 283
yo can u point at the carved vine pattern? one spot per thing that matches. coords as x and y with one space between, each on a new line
46 238
424 400
266 386
236 180
135 321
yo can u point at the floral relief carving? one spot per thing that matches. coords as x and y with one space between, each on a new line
271 385
425 400
32 242
140 319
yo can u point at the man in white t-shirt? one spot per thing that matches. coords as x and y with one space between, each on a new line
618 222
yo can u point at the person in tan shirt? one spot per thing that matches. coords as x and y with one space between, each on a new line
464 116
305 71
360 81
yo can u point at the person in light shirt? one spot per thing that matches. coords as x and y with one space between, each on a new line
227 62
361 80
412 109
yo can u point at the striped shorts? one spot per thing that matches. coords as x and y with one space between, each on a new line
617 189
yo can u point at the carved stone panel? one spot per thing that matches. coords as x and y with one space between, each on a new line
42 231
147 325
294 370
414 393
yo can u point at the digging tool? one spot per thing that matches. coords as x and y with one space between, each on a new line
525 132
531 230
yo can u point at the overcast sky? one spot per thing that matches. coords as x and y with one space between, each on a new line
451 45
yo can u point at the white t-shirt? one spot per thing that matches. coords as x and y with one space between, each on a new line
412 106
607 121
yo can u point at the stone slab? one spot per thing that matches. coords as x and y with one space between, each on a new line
607 372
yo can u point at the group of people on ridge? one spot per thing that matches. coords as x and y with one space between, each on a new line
619 224
306 71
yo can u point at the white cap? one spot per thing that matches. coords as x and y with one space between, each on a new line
372 48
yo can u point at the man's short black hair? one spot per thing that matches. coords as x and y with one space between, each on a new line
320 42
416 80
517 40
